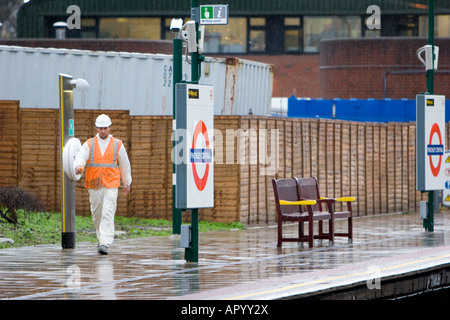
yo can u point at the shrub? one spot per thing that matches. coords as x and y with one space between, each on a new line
13 198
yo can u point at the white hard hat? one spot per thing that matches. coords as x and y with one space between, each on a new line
103 121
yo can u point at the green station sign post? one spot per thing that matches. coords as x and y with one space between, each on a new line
193 177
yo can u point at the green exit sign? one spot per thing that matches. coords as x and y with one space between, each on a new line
214 14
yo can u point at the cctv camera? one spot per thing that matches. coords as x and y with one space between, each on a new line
176 25
191 36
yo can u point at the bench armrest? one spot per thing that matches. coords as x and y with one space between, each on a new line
298 203
341 199
346 199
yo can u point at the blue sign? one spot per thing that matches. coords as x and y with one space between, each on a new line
435 150
200 155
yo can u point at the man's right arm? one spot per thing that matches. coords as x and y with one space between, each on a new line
81 158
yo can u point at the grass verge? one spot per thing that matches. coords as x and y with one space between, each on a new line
43 228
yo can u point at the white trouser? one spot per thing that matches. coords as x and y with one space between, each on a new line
103 208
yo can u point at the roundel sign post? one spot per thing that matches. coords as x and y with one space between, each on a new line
195 127
430 142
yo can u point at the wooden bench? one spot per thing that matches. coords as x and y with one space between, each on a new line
309 189
290 207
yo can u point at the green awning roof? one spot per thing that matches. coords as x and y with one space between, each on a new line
237 7
32 15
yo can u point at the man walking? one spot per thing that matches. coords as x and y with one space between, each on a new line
105 159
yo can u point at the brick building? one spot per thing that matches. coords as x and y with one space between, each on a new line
379 68
318 48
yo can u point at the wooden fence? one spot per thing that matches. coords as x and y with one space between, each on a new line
374 162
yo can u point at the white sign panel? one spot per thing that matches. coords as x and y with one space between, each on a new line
195 176
214 14
200 169
430 142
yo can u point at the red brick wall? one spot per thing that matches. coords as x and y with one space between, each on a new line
357 68
296 75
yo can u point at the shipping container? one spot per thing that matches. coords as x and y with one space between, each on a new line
139 82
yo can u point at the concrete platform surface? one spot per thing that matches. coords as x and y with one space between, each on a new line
242 264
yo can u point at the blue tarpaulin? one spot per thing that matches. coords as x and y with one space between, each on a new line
366 110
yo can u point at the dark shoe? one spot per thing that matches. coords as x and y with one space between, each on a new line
102 249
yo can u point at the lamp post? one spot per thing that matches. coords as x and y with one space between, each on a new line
69 146
176 27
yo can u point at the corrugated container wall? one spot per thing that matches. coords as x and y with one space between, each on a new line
140 83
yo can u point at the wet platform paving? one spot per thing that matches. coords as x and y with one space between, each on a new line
240 264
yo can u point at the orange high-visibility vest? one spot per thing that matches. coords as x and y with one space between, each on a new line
103 170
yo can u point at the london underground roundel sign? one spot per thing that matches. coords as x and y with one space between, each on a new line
435 149
200 155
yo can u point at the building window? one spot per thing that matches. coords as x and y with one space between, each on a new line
257 41
292 34
257 35
88 28
130 28
441 26
372 33
230 38
319 28
408 26
167 34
